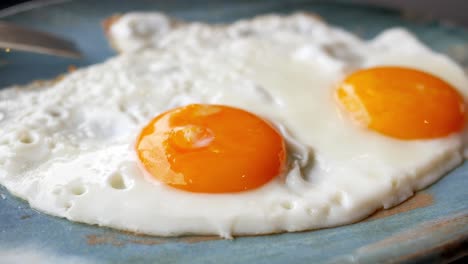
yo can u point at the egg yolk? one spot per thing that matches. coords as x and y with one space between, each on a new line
211 149
402 103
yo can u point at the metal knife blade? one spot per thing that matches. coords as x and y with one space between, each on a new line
20 38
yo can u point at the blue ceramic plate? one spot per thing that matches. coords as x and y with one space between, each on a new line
433 226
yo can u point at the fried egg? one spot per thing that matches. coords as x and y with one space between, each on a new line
273 124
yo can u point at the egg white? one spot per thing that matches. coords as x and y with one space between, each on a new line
67 147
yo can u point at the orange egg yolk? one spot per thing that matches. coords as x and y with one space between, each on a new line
402 103
211 149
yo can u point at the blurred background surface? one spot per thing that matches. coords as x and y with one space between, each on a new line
449 11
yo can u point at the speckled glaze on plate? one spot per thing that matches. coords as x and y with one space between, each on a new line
431 227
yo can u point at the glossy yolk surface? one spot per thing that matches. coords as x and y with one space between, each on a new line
211 149
402 103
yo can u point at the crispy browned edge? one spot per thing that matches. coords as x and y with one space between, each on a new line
107 23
